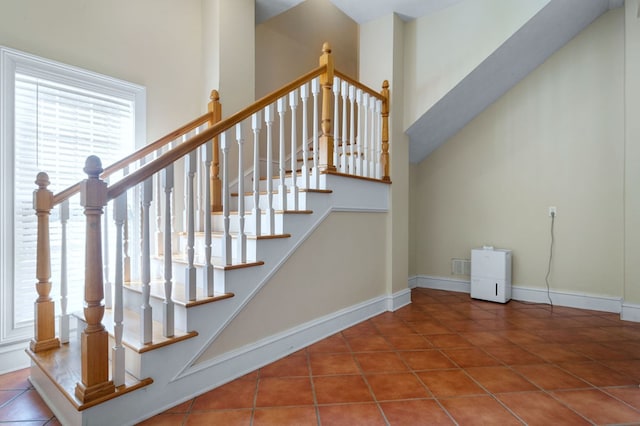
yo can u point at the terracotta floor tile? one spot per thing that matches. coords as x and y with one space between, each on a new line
8 395
479 314
429 327
415 412
368 343
233 395
16 380
298 416
598 406
380 362
330 364
430 359
449 341
479 410
550 377
340 389
485 339
521 337
291 366
538 408
471 357
388 387
447 316
26 406
449 383
630 395
464 326
513 355
598 374
351 415
409 341
165 419
555 352
500 379
600 352
365 328
331 344
227 418
394 329
284 391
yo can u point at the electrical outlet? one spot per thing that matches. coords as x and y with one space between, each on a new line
553 211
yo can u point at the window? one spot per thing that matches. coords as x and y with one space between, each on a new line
52 117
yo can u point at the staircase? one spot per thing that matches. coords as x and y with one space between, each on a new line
183 271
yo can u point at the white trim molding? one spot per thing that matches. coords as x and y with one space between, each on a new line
537 295
399 299
630 312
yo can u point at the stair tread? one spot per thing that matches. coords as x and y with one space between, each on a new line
177 293
131 335
64 368
275 191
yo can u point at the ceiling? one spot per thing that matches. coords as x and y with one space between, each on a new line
360 11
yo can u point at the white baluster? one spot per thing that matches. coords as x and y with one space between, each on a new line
241 243
315 174
271 220
352 130
365 146
168 315
304 94
282 188
345 93
208 160
336 121
226 236
199 206
145 308
378 140
117 352
372 138
125 244
190 271
359 142
256 213
158 241
64 315
293 103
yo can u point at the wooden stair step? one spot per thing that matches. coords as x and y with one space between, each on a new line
178 293
275 191
63 367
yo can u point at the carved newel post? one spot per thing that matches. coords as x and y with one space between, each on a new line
94 340
215 109
384 160
326 139
44 326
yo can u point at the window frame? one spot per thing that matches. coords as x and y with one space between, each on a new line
12 61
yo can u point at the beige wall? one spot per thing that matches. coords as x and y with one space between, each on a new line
154 43
555 139
290 44
382 58
632 153
340 265
443 47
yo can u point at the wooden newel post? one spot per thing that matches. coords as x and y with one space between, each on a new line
325 161
94 340
384 156
215 109
44 308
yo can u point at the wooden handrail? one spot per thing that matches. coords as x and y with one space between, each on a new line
183 149
359 85
135 156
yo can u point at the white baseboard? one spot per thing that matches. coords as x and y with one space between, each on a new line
537 295
13 357
398 300
630 312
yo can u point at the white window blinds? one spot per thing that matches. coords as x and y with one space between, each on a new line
56 127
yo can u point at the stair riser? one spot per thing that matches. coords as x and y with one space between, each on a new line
278 228
276 202
216 248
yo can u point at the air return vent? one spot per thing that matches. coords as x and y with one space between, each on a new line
460 266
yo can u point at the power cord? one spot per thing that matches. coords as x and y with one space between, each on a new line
546 278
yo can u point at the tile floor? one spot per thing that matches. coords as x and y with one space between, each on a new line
445 359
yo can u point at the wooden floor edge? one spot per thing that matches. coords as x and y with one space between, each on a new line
206 300
70 395
170 341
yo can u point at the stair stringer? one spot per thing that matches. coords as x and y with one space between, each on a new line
176 375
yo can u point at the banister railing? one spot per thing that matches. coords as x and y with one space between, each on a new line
348 136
